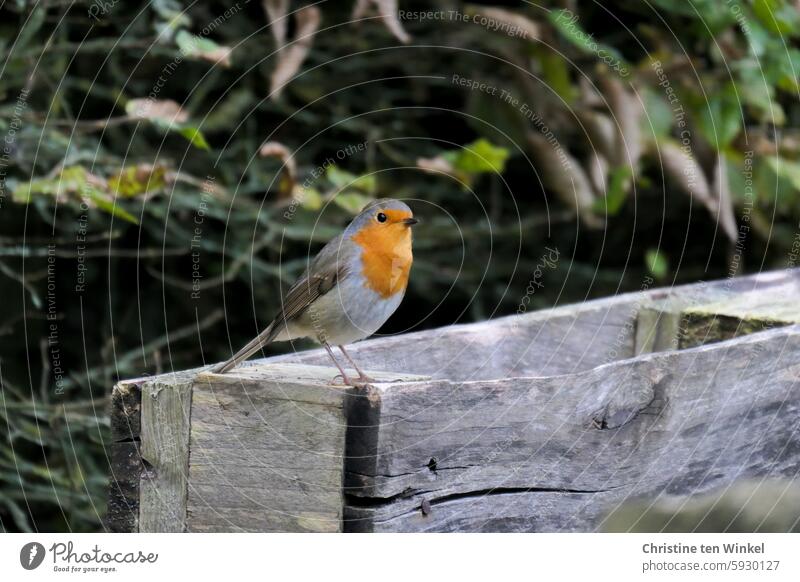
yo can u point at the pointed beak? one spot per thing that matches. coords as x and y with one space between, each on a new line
410 221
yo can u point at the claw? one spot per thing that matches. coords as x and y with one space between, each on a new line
345 380
359 382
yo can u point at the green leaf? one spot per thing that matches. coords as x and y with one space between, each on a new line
338 177
556 74
617 192
311 199
73 183
195 137
103 203
658 118
25 191
344 179
352 202
19 516
29 30
169 9
705 13
777 16
657 263
137 180
785 169
191 44
229 111
758 38
758 93
167 115
789 65
172 16
776 182
71 180
720 119
737 181
480 156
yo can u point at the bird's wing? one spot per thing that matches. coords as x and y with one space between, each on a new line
325 271
307 290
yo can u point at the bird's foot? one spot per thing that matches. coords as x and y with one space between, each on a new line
340 380
359 382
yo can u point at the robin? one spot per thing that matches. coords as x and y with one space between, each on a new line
350 288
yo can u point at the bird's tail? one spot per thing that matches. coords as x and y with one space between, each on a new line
262 339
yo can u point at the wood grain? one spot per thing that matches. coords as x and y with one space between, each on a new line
557 453
545 421
267 447
165 452
740 314
555 341
126 465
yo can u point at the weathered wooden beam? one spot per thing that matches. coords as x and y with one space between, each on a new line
741 314
126 463
266 449
536 422
549 342
165 432
557 453
694 315
258 449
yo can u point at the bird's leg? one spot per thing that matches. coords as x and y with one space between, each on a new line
345 379
361 375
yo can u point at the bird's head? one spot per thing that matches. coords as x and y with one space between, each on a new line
387 219
387 214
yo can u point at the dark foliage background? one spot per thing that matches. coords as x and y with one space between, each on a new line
165 174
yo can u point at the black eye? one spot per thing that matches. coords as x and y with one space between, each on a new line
381 217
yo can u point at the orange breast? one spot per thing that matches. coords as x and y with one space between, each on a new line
386 256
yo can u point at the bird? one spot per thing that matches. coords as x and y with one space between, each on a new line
349 290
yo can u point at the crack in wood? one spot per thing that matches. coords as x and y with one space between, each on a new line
426 505
358 501
511 491
368 501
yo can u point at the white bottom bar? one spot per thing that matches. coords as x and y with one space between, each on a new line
416 556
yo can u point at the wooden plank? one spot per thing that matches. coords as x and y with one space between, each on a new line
660 319
693 315
657 329
562 340
126 409
165 421
122 514
267 447
555 341
741 314
557 453
242 464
